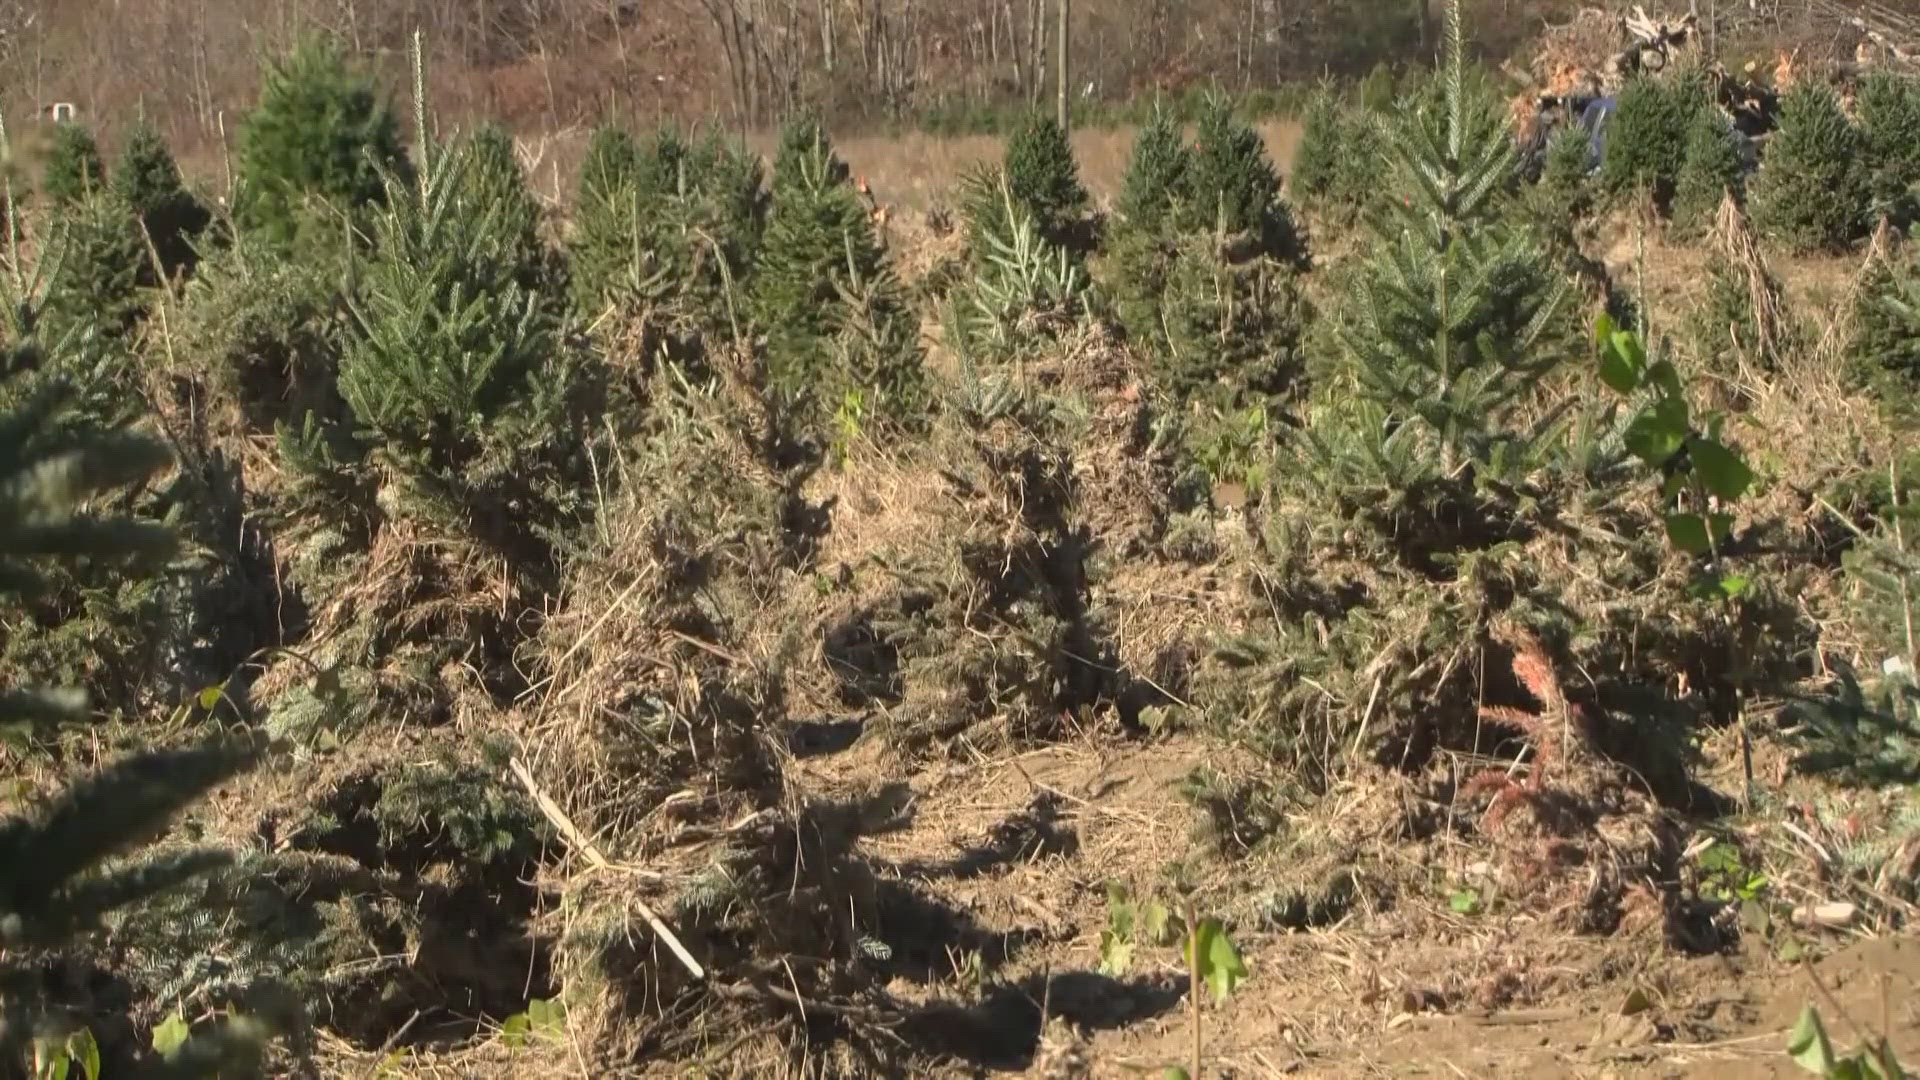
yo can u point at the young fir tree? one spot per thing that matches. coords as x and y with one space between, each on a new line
103 260
1234 190
67 864
1156 174
1884 353
1317 165
611 160
147 179
1044 178
1710 172
1566 166
73 168
1888 111
1813 190
625 246
1140 252
1647 134
799 157
495 181
321 133
1222 318
820 252
449 338
1451 317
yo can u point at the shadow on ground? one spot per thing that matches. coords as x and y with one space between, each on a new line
1002 1030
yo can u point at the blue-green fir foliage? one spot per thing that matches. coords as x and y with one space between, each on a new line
147 178
1043 176
73 166
1451 317
322 132
1813 190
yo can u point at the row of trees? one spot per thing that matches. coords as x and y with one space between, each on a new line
1828 174
557 62
426 430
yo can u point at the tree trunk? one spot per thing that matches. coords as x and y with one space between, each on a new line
1066 92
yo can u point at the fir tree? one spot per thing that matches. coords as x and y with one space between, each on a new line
1813 189
494 181
1565 191
804 146
1023 291
672 244
1884 353
1317 168
820 247
1888 111
68 864
1234 190
1044 178
147 179
661 168
611 161
1712 170
103 259
1450 319
1156 173
321 131
1647 134
74 170
448 336
1231 332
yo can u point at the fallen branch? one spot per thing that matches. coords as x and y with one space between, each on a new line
579 842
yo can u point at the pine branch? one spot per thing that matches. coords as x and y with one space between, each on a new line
107 813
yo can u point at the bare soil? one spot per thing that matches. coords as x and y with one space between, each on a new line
1019 849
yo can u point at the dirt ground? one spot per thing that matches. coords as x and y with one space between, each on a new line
1019 849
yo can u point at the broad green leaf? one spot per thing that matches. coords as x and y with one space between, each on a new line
1603 329
170 1035
1688 532
1215 960
547 1015
1174 1072
1464 902
1664 376
1616 368
1158 925
1734 586
1808 1045
1658 432
1622 351
50 1062
85 1049
210 697
513 1031
1720 469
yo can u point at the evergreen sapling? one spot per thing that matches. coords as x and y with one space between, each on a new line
1712 170
822 271
319 144
1888 112
1647 134
1234 190
1813 190
68 864
147 179
1157 174
74 170
1044 178
1454 315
